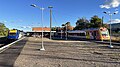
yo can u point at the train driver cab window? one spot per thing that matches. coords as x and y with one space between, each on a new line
104 33
12 34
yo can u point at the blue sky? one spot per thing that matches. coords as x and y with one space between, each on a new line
19 14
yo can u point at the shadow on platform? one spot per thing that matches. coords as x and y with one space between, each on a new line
9 56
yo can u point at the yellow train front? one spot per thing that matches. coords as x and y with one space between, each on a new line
98 34
14 34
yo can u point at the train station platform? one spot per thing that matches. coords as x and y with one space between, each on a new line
32 56
26 53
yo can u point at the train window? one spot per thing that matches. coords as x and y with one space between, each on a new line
94 33
82 34
104 35
12 34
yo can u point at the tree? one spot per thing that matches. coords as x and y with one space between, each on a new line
82 23
3 30
68 25
63 27
95 22
69 28
58 29
105 25
53 28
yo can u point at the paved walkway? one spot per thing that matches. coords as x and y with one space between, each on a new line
58 53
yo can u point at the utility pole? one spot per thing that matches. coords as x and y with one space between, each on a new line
50 7
102 20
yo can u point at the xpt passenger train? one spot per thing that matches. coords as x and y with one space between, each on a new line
14 34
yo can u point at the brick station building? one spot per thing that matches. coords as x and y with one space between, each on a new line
37 31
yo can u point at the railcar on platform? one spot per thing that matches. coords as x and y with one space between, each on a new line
14 34
91 33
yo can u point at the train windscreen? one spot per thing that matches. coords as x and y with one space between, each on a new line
104 33
12 34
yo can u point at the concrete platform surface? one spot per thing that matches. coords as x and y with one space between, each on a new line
67 54
26 53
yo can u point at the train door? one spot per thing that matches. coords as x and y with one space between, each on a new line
94 35
87 35
91 34
97 35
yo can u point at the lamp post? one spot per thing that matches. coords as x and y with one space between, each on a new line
61 33
110 14
33 5
66 31
50 7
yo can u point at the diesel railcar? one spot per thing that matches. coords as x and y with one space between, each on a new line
92 33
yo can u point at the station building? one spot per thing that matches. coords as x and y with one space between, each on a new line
37 32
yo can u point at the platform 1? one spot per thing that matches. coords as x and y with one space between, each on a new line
26 53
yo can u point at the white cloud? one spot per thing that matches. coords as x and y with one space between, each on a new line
116 21
26 27
4 21
110 4
105 6
29 27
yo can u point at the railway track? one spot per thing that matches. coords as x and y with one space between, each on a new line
3 44
6 44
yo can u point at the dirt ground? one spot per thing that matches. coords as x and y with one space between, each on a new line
67 54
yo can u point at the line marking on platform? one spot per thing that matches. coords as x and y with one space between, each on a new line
6 46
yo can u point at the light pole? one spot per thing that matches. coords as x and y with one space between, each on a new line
61 33
110 14
33 5
66 31
50 7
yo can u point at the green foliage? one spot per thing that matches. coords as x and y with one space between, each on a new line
82 23
53 28
63 24
96 21
58 29
105 25
68 25
3 30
